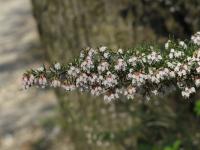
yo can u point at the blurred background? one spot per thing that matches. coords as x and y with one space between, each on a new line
44 31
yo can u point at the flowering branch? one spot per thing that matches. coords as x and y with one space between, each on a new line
144 70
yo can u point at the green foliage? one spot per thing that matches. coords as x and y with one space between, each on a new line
197 107
175 146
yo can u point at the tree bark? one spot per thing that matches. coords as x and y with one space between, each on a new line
66 26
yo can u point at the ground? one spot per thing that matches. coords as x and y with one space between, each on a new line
20 111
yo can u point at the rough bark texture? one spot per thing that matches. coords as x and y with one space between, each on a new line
66 26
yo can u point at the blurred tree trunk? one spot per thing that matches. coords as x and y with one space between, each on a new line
66 26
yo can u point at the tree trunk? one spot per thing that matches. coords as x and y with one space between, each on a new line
66 26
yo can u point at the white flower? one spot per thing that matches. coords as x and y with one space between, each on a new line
87 65
167 44
120 51
42 81
192 90
121 65
178 54
69 87
100 79
170 65
171 55
177 68
57 66
27 81
155 92
82 80
154 79
102 67
110 81
147 98
31 79
103 48
93 78
198 70
91 52
96 90
172 74
130 92
73 71
188 91
172 50
133 61
40 69
137 78
189 59
56 83
144 59
106 55
182 43
181 73
111 96
154 57
82 55
159 57
185 94
197 82
185 67
196 38
198 54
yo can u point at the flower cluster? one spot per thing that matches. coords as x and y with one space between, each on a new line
196 38
143 70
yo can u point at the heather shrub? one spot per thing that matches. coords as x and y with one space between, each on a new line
138 111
